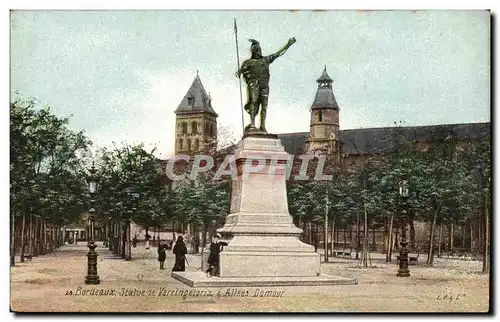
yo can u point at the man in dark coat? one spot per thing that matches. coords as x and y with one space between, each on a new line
162 254
213 259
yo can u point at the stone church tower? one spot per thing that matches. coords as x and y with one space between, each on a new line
324 124
196 122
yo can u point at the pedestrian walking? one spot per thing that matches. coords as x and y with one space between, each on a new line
162 254
147 242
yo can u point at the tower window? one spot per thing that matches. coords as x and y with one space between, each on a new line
212 130
196 144
181 143
190 101
320 116
194 127
189 144
184 128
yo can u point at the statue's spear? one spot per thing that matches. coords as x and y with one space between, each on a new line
239 76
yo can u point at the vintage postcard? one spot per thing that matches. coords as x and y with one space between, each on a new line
250 161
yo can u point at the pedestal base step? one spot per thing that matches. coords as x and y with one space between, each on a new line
200 279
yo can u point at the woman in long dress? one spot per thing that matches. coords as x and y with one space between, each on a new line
180 251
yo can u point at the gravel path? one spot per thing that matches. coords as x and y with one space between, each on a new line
140 286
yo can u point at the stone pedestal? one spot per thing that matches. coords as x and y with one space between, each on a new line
263 241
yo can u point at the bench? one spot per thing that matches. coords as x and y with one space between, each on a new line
338 253
28 257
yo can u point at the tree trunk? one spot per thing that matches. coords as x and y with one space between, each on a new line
22 237
129 239
124 241
12 239
51 238
57 229
471 237
389 239
440 239
204 235
35 238
309 233
332 246
44 232
464 236
452 236
106 232
374 240
486 266
357 235
396 237
315 237
58 233
384 238
325 237
117 241
30 239
365 226
345 239
350 235
412 230
430 255
479 246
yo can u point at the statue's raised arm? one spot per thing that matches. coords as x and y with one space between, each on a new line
282 50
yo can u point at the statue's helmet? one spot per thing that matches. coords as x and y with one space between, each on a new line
255 45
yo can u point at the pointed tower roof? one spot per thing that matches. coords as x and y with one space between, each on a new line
324 95
196 100
324 78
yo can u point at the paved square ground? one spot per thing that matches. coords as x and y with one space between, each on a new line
55 283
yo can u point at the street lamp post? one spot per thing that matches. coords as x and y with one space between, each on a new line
403 255
92 277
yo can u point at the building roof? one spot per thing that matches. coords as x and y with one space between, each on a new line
376 140
196 100
324 95
324 78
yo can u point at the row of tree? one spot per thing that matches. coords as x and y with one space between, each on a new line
449 183
47 186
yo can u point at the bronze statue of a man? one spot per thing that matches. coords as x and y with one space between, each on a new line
255 71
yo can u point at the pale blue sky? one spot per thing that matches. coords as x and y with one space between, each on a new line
121 74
